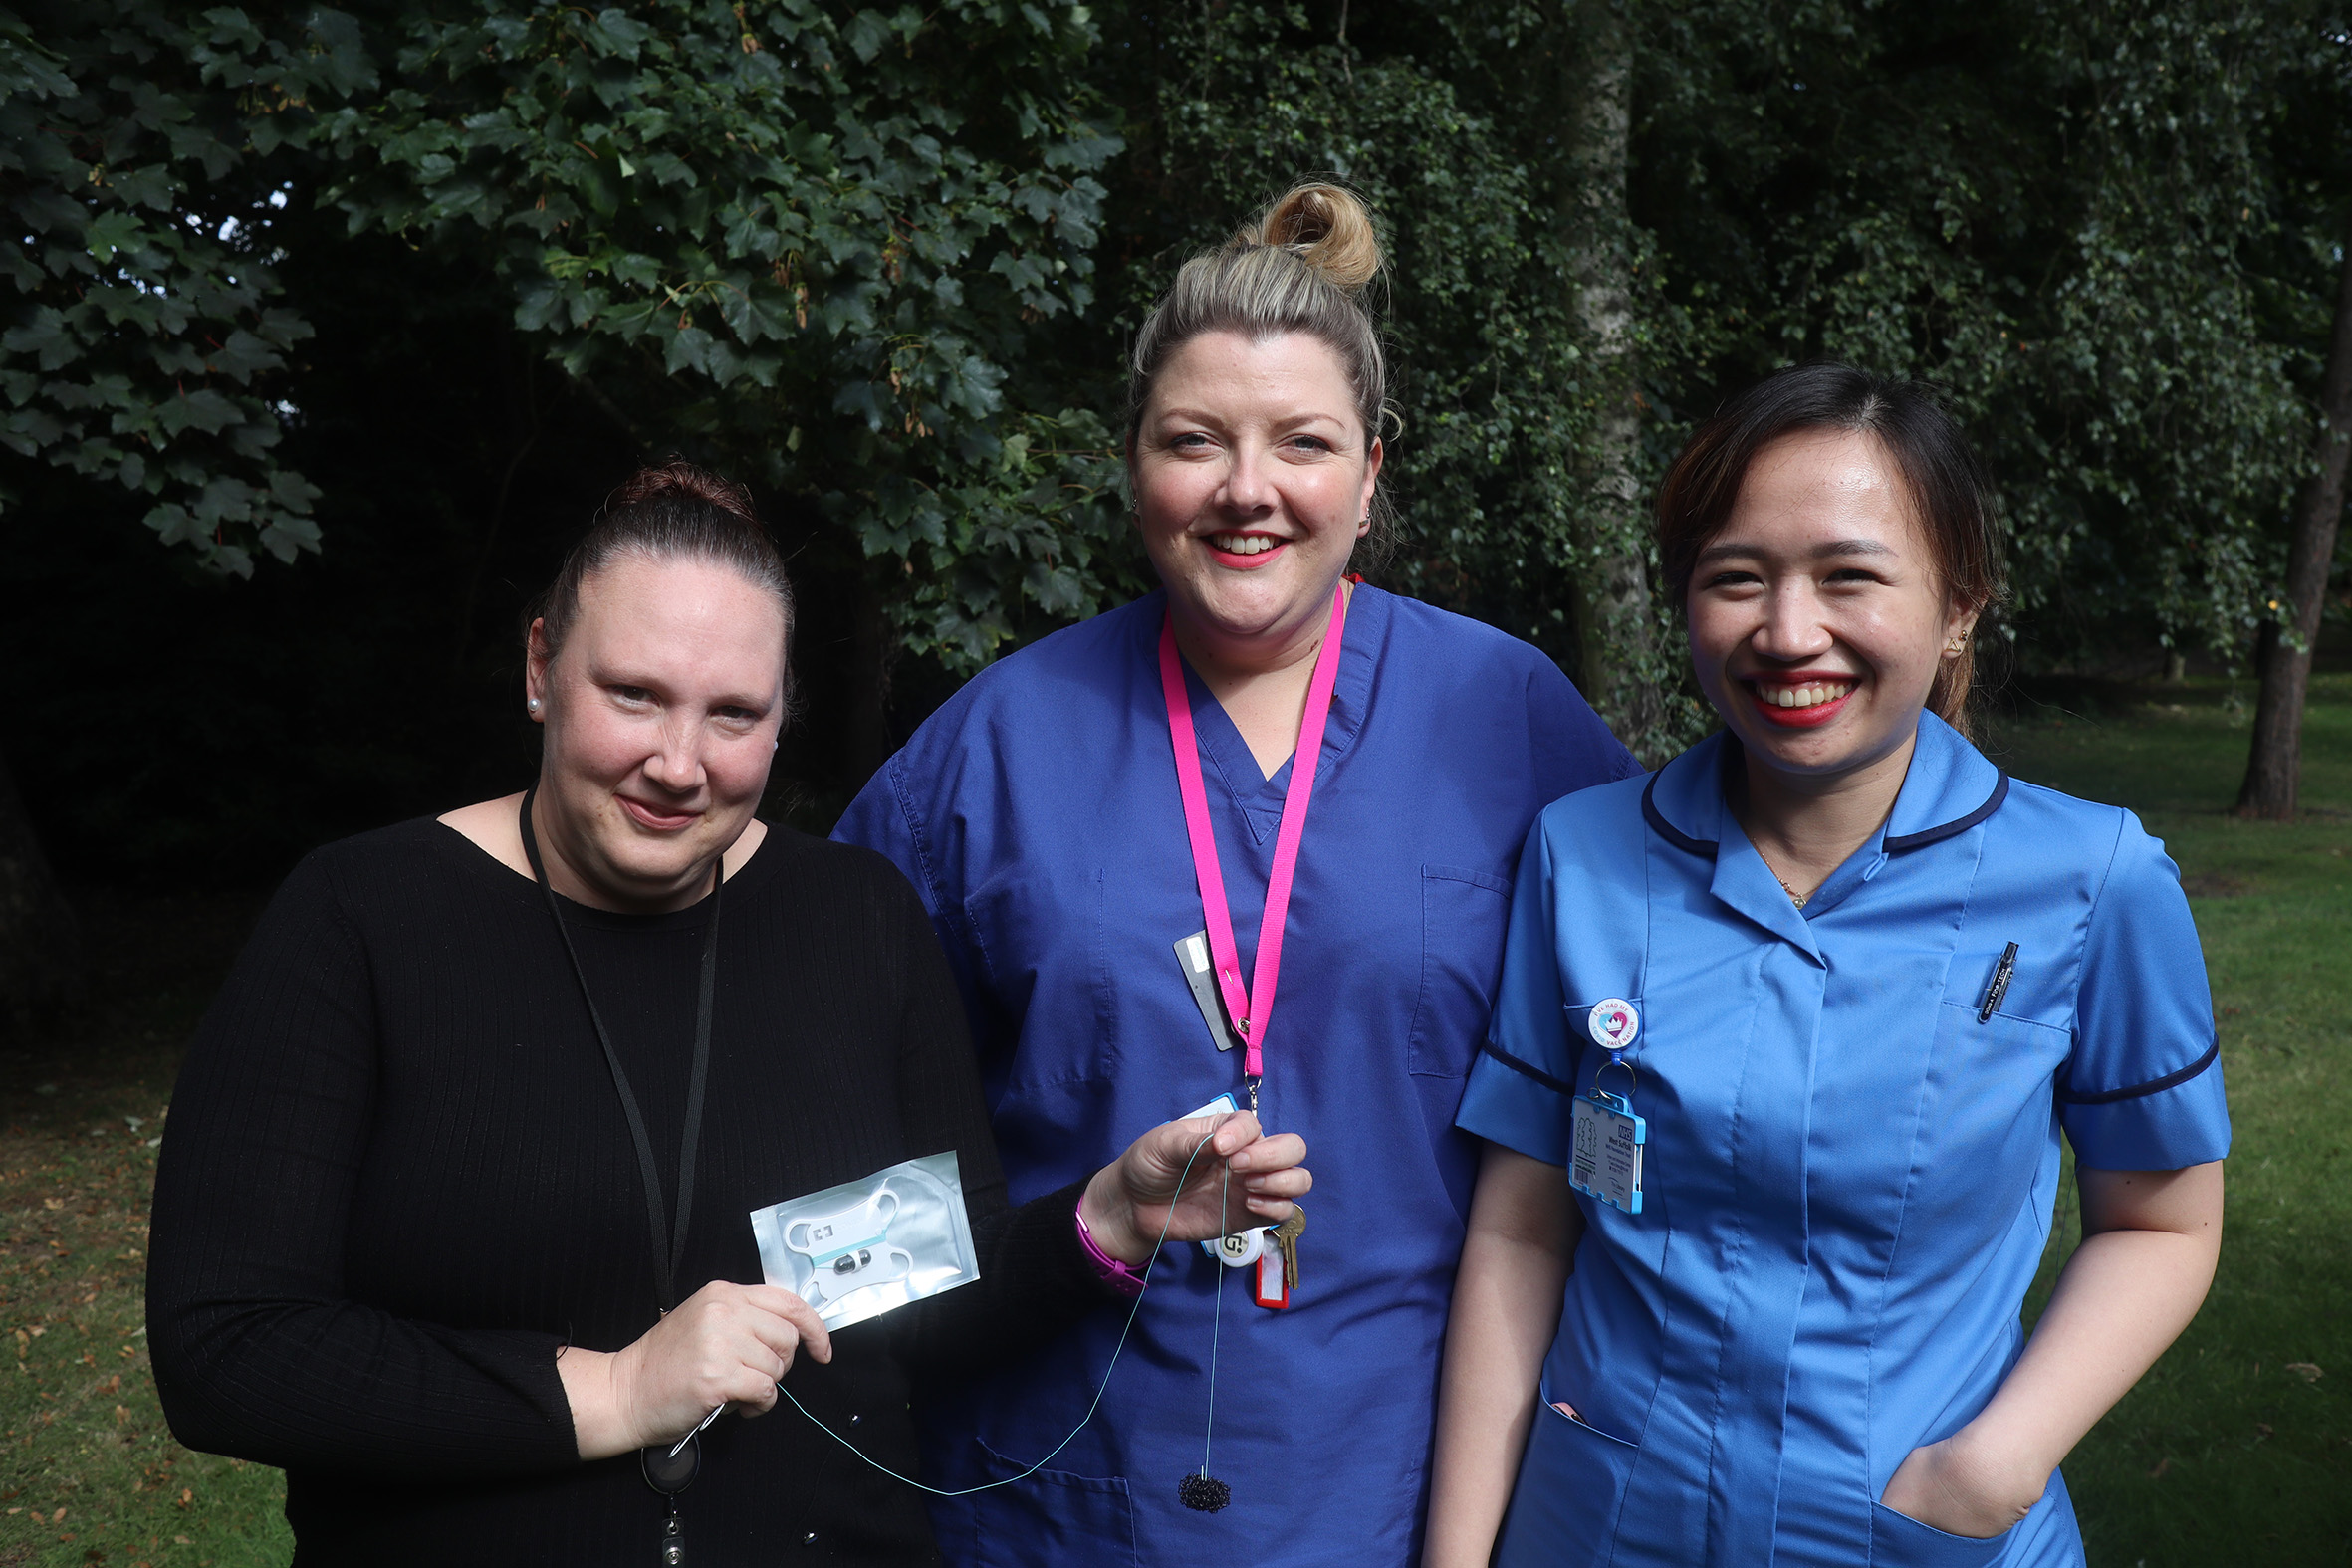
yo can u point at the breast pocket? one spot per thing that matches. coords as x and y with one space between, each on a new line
1054 1516
1464 913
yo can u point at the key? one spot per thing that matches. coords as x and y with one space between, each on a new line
1286 1237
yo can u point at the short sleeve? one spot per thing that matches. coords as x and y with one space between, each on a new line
1521 1085
888 821
2142 1091
1574 749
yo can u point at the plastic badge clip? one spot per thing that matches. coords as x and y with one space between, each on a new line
851 1251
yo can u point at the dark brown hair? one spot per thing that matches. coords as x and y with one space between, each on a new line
1952 495
669 510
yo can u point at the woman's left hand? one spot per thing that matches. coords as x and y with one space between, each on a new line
1954 1488
1132 1200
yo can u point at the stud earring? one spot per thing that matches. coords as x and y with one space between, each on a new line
533 704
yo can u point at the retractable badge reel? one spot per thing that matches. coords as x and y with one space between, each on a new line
1605 1155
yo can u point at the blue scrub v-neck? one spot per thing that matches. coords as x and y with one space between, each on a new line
1227 757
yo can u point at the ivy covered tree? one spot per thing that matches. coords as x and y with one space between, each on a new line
1491 141
2054 210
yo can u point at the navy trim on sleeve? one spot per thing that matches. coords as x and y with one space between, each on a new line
1531 1070
1954 829
1667 830
2171 1081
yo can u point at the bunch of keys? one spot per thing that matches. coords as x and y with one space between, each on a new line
1273 1251
1278 1263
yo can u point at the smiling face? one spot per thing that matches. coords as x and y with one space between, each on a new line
1817 618
662 709
1252 483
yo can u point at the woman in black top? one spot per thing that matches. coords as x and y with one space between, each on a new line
402 1246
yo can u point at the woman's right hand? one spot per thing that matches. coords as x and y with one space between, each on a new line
727 1344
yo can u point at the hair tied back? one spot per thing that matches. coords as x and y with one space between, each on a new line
1324 226
679 481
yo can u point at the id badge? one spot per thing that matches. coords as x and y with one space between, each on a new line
1192 956
1605 1156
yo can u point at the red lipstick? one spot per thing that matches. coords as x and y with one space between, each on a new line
1240 563
1808 718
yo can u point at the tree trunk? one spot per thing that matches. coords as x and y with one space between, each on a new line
40 946
1615 625
2275 761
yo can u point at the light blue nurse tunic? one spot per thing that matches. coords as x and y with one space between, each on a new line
1038 816
1849 1172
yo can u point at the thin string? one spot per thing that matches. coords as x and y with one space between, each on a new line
1099 1388
1216 1328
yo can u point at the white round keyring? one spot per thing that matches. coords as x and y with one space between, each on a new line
1613 1024
1241 1248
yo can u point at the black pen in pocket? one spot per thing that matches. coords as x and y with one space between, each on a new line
2000 982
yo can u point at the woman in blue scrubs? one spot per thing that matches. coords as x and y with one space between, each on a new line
1846 984
1041 816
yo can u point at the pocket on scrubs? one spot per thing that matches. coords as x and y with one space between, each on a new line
1571 1485
1464 914
1052 1516
1897 1540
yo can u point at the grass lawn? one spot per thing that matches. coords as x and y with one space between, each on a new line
2238 1446
87 1472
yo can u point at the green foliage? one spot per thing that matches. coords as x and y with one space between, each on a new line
145 339
2060 212
1490 466
2233 1446
810 244
851 254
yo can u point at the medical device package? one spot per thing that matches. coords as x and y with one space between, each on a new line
871 1245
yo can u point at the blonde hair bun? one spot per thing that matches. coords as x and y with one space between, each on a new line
1326 227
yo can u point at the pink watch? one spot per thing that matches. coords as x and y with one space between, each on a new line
1108 1268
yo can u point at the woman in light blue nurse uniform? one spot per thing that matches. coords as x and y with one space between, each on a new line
1846 984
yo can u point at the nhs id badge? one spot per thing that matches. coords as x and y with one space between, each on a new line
1604 1159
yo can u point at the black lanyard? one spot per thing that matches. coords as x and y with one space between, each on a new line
669 1239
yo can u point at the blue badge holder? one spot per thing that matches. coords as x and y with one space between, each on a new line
1606 1147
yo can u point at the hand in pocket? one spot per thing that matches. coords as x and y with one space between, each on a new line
1952 1488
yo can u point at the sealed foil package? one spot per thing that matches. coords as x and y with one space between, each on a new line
871 1245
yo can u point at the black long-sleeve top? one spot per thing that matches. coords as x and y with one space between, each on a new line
397 1180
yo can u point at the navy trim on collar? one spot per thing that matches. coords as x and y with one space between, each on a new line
1954 829
2171 1081
1933 732
1667 830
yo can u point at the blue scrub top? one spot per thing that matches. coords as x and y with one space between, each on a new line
1038 816
1849 1177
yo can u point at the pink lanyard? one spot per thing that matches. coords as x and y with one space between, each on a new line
1249 1009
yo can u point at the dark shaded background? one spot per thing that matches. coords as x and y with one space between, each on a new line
174 729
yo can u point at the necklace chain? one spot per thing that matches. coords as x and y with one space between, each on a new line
1794 897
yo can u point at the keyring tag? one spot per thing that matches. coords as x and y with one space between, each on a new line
1606 1157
